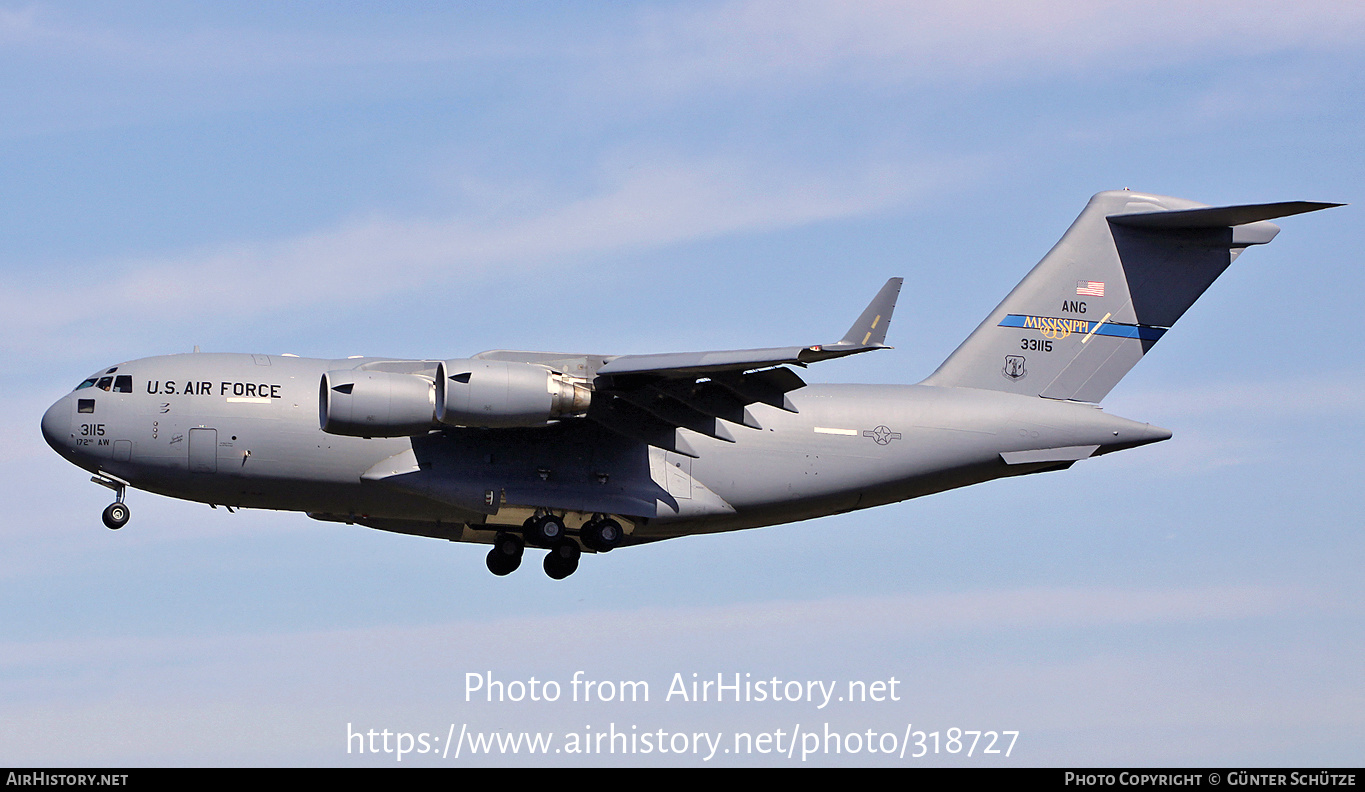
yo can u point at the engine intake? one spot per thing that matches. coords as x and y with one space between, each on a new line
496 394
376 404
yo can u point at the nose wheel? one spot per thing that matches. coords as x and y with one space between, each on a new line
115 516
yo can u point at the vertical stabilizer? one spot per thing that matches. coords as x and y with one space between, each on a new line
1126 270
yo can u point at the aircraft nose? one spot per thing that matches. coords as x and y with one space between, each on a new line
57 425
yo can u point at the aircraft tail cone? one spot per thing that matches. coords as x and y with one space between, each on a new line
1133 434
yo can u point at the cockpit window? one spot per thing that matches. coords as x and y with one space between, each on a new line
86 384
123 384
104 383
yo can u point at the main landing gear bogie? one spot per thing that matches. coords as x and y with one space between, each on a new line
601 534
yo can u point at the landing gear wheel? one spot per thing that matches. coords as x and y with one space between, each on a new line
602 535
562 560
544 530
115 516
500 564
509 544
505 556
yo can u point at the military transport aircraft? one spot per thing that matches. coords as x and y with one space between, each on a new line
587 452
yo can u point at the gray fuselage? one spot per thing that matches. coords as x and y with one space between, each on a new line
243 431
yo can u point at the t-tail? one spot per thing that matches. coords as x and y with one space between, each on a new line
1120 277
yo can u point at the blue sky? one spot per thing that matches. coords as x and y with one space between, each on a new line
629 178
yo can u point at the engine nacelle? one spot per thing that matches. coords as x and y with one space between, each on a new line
494 393
376 404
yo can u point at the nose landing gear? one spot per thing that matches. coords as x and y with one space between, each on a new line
115 514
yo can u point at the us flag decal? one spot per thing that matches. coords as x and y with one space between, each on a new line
1090 288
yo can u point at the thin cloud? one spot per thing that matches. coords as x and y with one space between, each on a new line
664 205
784 44
778 41
1210 421
1325 395
216 47
913 615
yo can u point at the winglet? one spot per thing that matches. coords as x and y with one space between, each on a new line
870 329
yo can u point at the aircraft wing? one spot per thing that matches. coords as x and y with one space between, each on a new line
866 334
650 397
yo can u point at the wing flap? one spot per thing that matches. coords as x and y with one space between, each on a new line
652 397
624 418
676 413
769 387
710 399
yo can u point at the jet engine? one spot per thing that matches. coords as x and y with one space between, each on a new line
376 404
494 394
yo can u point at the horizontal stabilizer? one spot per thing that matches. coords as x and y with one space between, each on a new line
1218 216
